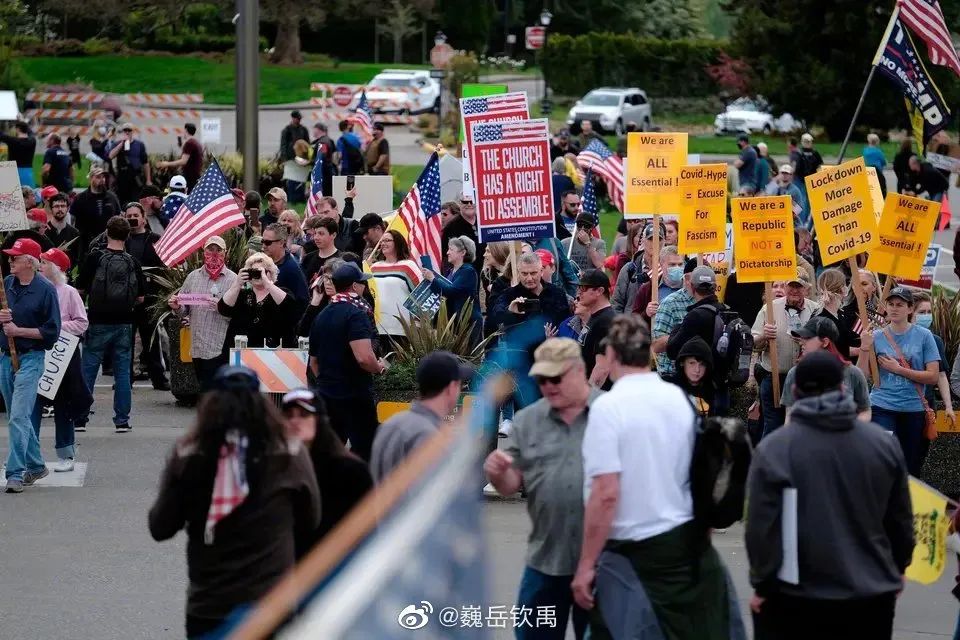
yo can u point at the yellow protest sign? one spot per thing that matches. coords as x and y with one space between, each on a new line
653 173
905 230
842 211
876 193
763 239
703 208
930 524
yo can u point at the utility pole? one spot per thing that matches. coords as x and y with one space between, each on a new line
238 77
250 100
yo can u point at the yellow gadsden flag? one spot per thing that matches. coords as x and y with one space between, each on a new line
930 524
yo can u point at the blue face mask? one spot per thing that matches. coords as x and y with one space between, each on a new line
673 278
924 320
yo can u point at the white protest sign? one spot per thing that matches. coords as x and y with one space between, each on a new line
55 363
13 211
947 163
503 107
210 130
374 193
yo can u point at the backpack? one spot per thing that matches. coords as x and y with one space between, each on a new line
718 471
732 346
115 286
807 165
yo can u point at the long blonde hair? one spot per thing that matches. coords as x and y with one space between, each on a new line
500 252
832 285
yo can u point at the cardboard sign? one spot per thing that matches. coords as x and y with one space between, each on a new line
13 212
55 361
928 272
721 262
763 239
842 210
930 527
511 170
703 208
374 193
423 301
210 130
905 230
653 173
195 299
876 193
946 163
451 178
504 107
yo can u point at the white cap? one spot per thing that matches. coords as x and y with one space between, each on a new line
786 168
178 182
806 139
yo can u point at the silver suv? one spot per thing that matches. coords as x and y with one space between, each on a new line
611 108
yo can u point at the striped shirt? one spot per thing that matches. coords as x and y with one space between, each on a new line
208 329
669 315
395 281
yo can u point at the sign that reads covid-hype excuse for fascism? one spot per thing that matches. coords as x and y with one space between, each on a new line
511 169
703 208
842 209
763 248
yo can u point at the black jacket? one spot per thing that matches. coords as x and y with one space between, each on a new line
699 321
927 179
706 389
349 237
60 238
554 307
90 213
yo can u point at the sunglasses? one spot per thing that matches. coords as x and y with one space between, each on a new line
466 204
554 380
267 243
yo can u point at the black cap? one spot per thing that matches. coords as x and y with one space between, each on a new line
236 378
818 373
151 191
594 279
586 220
378 126
438 369
371 220
296 114
818 327
306 399
901 292
689 265
348 273
252 200
648 230
743 138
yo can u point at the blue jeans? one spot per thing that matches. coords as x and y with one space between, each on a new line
773 418
20 396
908 427
540 590
71 405
118 339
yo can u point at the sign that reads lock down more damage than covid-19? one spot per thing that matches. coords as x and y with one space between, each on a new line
842 210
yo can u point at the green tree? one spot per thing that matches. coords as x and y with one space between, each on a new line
665 19
467 23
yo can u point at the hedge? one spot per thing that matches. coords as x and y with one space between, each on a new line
575 64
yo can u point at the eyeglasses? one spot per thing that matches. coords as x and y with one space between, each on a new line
542 380
267 243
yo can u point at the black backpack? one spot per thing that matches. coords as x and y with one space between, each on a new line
807 165
718 471
354 159
115 286
732 346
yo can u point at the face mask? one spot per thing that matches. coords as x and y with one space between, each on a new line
924 320
213 262
673 277
103 131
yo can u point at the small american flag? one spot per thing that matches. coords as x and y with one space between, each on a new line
607 165
925 18
316 186
230 487
363 117
519 131
420 211
588 201
209 210
492 105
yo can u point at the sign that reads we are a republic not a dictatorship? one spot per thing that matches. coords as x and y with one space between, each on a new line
763 239
511 170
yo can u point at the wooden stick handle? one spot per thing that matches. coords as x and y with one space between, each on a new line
655 261
14 358
772 344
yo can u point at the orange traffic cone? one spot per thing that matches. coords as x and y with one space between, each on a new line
944 214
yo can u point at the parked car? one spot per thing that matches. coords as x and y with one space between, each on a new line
403 91
610 109
747 115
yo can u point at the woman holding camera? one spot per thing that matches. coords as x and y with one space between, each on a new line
258 308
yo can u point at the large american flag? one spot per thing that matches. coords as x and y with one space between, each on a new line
925 18
420 212
362 118
607 165
209 210
316 186
492 105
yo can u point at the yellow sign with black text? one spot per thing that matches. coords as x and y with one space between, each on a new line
905 230
653 173
842 210
703 208
763 248
876 193
930 526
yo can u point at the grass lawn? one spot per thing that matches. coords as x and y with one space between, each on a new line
184 74
727 145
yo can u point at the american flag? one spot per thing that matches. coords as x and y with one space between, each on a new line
925 18
171 204
588 201
230 487
420 212
492 105
316 186
518 131
363 117
607 165
209 210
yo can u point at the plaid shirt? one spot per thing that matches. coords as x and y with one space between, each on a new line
208 329
669 315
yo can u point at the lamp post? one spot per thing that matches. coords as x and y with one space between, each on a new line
439 40
545 18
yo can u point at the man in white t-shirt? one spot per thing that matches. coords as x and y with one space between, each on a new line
638 502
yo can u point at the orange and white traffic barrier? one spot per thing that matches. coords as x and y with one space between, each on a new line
149 114
393 105
279 370
356 88
74 98
63 114
62 130
377 117
164 98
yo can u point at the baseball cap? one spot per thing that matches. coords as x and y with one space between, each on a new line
37 215
555 357
236 378
800 278
901 292
216 241
743 138
546 258
370 221
48 192
818 327
348 273
303 398
24 247
127 126
96 170
648 230
296 114
178 182
438 369
703 277
255 243
57 257
586 220
817 373
594 279
786 168
277 193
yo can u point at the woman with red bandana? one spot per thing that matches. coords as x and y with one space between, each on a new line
196 305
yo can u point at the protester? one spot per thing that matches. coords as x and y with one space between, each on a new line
258 307
901 163
588 252
808 162
208 328
325 234
621 256
251 211
290 219
695 375
132 164
288 276
190 162
594 296
672 228
870 287
57 169
463 225
440 377
323 149
923 178
448 211
587 134
671 266
783 185
562 144
154 205
565 273
58 231
348 149
21 147
543 455
637 271
923 317
530 300
276 204
141 244
342 478
636 470
290 134
832 288
32 321
395 276
569 208
321 292
873 157
668 315
766 168
746 165
377 154
461 284
371 228
562 186
296 172
853 535
73 399
348 239
342 359
240 542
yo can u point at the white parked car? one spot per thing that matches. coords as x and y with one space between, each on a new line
747 115
403 91
610 109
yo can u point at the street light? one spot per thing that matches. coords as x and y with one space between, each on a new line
545 18
439 38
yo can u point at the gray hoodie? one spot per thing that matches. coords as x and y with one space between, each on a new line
854 520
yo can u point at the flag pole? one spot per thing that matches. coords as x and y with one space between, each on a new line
866 86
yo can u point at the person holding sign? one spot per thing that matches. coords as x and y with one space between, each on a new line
908 359
461 284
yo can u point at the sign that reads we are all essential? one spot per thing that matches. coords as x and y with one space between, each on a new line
653 173
842 209
763 248
905 230
511 170
703 208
